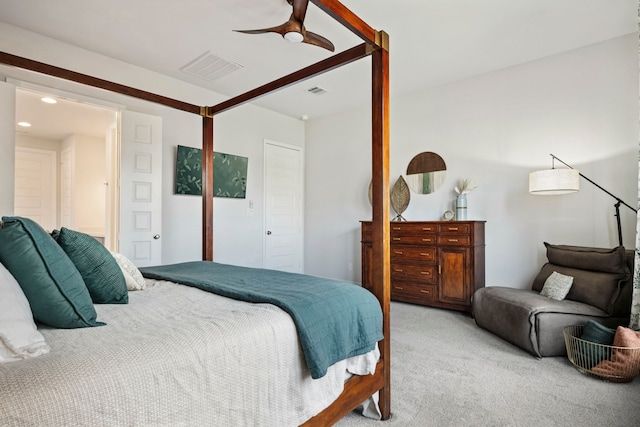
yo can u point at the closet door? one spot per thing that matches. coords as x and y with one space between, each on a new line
283 207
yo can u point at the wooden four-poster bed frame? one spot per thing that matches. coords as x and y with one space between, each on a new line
376 45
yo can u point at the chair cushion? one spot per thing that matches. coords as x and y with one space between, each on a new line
597 273
529 320
51 282
585 258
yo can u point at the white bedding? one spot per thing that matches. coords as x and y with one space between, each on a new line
174 355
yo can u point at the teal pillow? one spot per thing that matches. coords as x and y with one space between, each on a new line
99 270
52 284
597 333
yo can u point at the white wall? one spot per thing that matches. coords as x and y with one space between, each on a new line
237 238
581 106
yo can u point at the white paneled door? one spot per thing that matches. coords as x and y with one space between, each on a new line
35 186
140 236
7 145
283 207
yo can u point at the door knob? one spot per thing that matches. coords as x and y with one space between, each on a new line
268 233
156 237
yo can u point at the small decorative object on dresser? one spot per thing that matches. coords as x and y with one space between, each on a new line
434 263
465 187
400 197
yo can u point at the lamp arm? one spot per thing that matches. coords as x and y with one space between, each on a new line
599 186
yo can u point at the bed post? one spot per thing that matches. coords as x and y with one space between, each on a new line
207 185
381 226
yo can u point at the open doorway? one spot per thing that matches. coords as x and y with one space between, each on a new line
66 164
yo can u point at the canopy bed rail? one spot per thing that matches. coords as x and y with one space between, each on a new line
376 44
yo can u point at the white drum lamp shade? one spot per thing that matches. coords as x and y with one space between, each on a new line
554 181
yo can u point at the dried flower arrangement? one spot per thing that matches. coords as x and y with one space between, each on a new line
466 185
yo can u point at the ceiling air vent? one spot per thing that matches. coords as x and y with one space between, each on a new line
316 90
210 67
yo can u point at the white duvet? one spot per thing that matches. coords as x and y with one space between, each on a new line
173 356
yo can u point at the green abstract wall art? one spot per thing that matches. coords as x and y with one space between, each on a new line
229 173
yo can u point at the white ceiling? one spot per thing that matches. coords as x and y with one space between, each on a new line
432 42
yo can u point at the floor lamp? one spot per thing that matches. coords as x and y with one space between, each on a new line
562 181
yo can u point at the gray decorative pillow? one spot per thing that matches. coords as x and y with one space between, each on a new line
557 286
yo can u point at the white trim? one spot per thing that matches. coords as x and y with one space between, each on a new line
71 96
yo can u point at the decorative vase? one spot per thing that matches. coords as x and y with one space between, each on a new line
461 207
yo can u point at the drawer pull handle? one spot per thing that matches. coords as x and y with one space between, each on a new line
398 288
424 254
397 252
426 240
425 292
453 228
397 228
426 228
396 238
453 240
397 270
425 273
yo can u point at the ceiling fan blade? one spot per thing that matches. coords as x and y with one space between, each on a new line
293 29
317 40
279 30
300 9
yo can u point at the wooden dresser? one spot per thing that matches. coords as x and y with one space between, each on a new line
434 263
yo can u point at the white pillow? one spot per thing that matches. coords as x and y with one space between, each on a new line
132 276
19 338
557 286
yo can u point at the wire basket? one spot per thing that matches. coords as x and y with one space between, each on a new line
607 362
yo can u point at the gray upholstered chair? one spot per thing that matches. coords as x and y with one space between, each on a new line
601 290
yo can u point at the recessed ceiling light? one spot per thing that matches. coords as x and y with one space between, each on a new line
49 100
24 124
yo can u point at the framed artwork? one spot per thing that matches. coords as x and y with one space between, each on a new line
229 173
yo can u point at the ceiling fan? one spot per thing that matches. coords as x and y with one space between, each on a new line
293 30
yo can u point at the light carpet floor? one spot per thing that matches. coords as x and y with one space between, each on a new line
446 371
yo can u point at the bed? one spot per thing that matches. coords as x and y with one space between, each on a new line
202 344
174 355
331 406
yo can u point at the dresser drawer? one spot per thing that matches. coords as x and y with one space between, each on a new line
454 240
419 293
411 228
417 273
413 239
454 227
401 253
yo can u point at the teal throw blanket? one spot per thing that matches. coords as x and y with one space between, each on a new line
335 320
